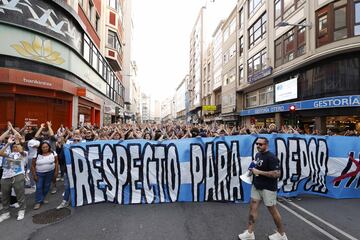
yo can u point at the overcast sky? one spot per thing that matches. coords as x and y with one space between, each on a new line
161 37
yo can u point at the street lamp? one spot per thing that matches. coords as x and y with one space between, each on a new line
284 24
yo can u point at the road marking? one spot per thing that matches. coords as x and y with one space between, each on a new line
308 222
323 221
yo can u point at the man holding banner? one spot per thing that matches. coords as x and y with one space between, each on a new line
266 172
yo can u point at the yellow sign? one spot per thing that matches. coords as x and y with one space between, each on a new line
209 108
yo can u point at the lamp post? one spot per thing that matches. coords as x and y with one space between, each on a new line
284 24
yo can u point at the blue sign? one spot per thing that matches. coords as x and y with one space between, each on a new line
260 74
329 102
208 169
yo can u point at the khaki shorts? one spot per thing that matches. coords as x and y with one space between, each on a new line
269 197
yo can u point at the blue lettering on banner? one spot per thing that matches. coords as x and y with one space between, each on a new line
330 102
208 169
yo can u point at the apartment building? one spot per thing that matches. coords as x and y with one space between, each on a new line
195 68
229 66
299 63
62 62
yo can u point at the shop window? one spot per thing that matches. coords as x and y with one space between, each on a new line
290 46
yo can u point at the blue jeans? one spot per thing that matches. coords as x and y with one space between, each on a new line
28 168
67 187
43 185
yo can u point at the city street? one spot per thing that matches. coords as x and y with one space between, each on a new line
189 221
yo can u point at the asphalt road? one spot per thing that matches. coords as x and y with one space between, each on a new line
193 221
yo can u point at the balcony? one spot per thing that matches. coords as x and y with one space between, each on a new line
114 58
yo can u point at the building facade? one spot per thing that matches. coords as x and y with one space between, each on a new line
180 100
53 65
229 57
195 68
311 66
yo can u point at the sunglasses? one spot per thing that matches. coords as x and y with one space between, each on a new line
260 144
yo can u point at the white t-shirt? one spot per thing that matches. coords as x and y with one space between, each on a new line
45 163
13 168
33 145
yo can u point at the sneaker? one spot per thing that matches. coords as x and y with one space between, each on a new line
46 201
247 236
37 206
278 236
4 216
21 215
15 205
63 204
54 190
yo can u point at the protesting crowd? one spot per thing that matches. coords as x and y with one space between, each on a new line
34 156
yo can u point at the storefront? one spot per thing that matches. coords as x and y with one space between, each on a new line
337 113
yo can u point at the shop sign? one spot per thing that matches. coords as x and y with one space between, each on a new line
37 82
329 102
209 108
260 74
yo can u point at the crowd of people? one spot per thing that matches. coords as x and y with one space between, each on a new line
34 156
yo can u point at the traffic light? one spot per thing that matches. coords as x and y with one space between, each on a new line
292 108
117 111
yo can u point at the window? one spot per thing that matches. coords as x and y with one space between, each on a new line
257 62
232 26
113 41
241 74
251 99
289 46
226 34
241 18
86 52
257 31
336 22
97 20
260 97
340 28
284 8
232 51
266 95
357 18
241 45
91 8
253 5
95 57
113 4
226 57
